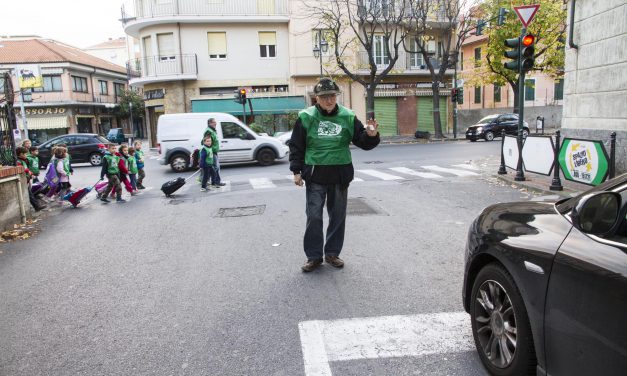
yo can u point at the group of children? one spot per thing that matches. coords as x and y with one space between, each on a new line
122 166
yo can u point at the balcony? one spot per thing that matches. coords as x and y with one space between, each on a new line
143 13
407 63
151 69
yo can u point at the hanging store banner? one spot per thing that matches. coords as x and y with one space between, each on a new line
29 76
584 161
510 152
538 154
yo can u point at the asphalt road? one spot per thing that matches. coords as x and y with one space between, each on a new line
192 285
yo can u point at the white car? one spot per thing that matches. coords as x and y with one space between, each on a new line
284 137
178 135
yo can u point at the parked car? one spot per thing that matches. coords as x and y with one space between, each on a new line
491 126
284 137
116 135
83 147
178 135
546 284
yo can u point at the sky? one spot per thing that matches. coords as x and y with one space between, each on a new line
80 23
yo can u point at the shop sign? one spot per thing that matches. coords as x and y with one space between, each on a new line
584 161
154 94
42 111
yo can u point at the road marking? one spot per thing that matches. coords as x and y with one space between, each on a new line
450 171
408 171
261 183
382 337
381 175
466 166
357 180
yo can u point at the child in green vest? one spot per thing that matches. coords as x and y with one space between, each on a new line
132 168
33 163
206 162
139 157
110 168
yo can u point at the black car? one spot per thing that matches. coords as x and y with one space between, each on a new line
83 147
116 135
546 285
493 125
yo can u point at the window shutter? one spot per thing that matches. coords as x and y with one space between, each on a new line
267 38
217 43
165 43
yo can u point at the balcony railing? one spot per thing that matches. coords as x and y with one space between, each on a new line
406 62
166 8
162 66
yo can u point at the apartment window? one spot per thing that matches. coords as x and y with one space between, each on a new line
415 58
79 84
119 89
217 45
497 93
477 94
104 87
477 57
147 44
381 50
165 44
51 83
558 93
530 89
267 44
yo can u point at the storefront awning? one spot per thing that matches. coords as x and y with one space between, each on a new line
52 122
279 105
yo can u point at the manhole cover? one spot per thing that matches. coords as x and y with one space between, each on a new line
242 211
358 206
176 201
373 162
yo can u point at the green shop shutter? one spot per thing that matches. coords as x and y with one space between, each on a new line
385 113
444 114
425 114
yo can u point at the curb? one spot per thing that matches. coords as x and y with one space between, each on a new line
566 193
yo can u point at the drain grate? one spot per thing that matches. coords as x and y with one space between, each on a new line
243 211
358 206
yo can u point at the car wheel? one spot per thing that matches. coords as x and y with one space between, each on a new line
525 133
489 136
500 325
179 162
95 159
266 157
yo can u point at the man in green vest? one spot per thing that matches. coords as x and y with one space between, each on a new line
320 156
216 180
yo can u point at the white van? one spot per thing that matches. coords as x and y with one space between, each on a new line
178 135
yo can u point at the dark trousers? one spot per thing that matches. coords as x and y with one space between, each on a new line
141 174
207 171
336 199
133 179
114 184
215 174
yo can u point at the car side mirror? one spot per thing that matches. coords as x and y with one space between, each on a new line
597 213
248 136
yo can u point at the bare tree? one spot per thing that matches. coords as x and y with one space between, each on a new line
363 25
448 22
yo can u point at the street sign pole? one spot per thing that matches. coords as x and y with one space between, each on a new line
520 174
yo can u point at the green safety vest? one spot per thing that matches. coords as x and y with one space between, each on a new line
33 163
66 164
209 158
215 146
23 163
132 164
328 137
112 164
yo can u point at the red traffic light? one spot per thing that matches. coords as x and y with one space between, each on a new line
528 40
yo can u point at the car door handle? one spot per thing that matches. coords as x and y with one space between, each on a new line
224 142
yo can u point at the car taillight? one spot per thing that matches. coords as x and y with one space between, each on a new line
101 146
159 148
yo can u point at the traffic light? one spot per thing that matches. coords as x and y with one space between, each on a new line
453 95
521 53
501 18
240 96
480 26
460 95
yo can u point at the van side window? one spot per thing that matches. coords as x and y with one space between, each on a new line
233 130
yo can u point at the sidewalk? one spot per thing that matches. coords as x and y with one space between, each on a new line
540 183
410 139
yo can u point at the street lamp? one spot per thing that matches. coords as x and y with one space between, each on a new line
130 111
322 49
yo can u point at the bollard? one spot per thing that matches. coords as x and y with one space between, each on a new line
556 183
612 155
502 170
520 174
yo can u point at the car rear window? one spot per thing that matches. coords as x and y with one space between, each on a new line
101 139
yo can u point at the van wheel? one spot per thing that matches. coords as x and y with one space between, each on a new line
266 157
179 162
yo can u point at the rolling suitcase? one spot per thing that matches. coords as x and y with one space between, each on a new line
169 187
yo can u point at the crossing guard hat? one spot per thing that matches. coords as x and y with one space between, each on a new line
326 86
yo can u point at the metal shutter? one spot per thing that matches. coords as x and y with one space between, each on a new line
385 113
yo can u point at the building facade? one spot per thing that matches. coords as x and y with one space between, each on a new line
195 55
114 50
78 94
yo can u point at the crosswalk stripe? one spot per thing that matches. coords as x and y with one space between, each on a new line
450 171
261 183
381 175
467 167
357 179
408 171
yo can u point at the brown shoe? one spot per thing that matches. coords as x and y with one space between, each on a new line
334 261
310 265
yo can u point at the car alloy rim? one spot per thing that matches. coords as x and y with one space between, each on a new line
179 163
495 321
